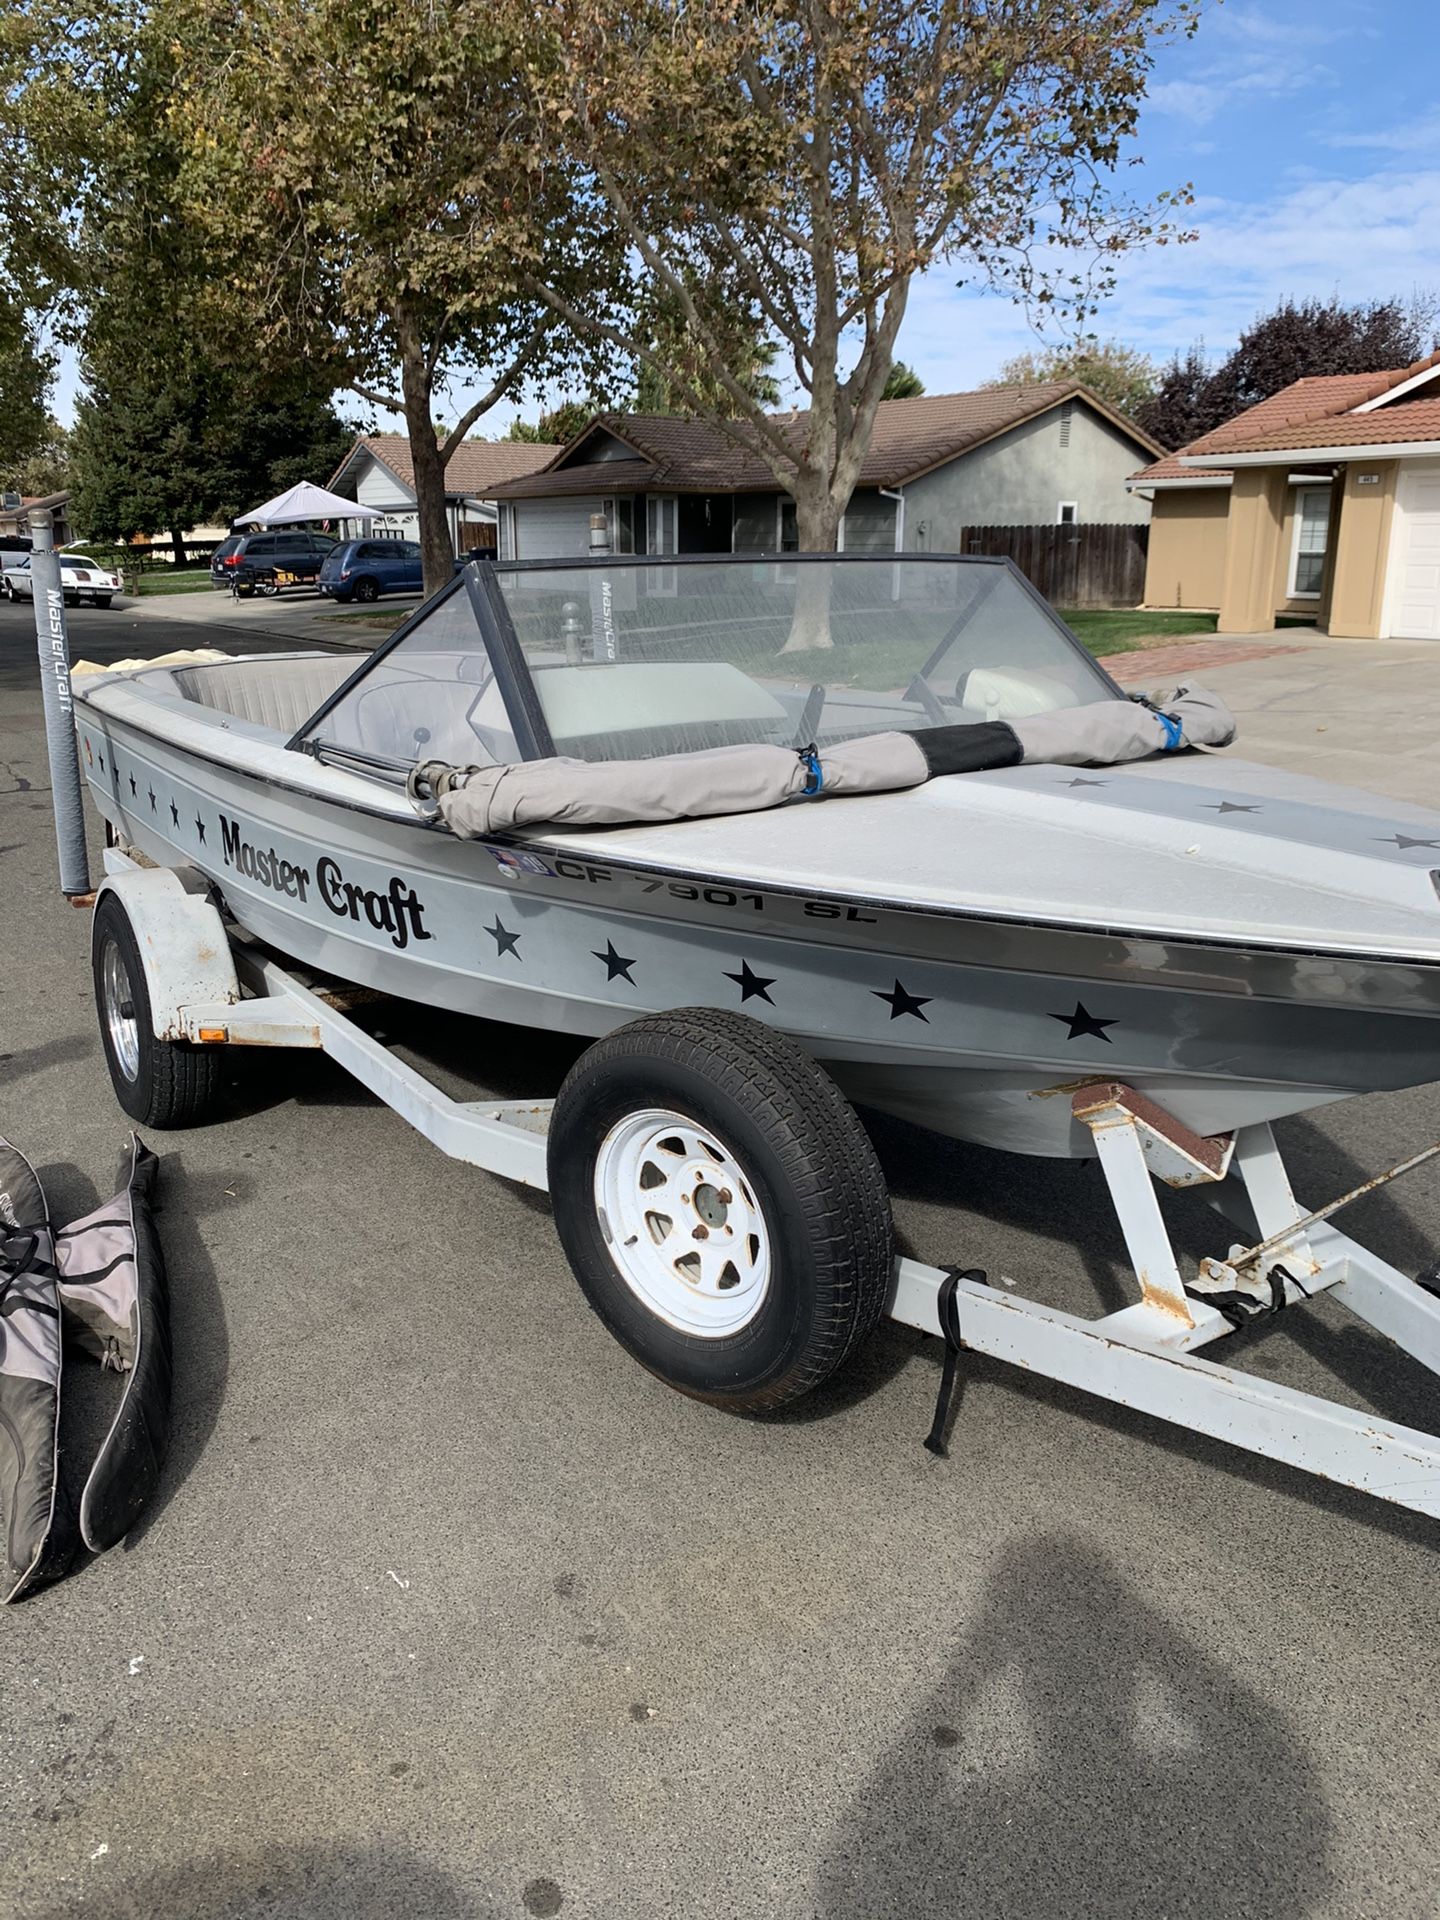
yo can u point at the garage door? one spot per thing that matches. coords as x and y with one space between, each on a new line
1415 581
553 529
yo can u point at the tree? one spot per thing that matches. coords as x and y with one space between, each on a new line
557 427
813 158
161 450
1178 412
1296 341
25 374
1121 375
902 383
368 189
46 469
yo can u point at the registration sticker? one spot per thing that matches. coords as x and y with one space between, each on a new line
513 861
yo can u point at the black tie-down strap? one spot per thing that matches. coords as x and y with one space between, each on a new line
1240 1308
948 1309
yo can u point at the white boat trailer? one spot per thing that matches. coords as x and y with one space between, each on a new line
1144 1356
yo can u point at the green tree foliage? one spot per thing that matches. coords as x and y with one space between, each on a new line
1120 375
557 427
802 162
1297 341
902 383
47 468
370 188
25 374
163 454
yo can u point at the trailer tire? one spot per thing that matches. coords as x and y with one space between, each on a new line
778 1164
160 1083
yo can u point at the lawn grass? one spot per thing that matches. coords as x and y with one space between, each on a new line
1121 630
167 582
384 618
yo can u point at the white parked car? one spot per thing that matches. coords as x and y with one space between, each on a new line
80 579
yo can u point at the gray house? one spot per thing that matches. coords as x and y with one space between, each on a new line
1005 456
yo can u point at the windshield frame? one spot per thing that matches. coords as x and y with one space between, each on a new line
480 579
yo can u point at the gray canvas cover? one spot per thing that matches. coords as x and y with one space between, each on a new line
474 801
103 1279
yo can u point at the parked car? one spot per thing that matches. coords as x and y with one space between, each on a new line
254 555
80 579
364 569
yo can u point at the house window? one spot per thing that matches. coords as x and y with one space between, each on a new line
1067 513
787 525
622 524
1312 529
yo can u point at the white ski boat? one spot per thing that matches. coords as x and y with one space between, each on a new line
1235 942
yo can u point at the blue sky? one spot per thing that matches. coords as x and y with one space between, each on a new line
1310 130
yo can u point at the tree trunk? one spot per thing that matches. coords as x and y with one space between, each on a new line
177 541
817 522
437 552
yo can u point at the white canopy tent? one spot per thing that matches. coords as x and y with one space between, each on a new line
304 502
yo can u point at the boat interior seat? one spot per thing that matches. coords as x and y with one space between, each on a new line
280 693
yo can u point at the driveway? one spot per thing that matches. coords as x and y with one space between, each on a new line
448 1610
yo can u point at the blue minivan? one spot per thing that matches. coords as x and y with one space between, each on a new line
364 569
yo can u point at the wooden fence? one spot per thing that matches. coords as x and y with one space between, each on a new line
1093 565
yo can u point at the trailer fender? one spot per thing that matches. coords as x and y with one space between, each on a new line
183 945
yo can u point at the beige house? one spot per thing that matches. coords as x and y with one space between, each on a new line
1323 502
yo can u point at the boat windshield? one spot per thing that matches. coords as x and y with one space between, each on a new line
607 660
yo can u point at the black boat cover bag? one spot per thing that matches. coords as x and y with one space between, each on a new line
103 1277
744 779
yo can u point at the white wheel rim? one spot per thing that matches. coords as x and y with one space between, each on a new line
119 1008
682 1223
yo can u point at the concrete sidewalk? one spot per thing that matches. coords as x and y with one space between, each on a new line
1364 712
303 616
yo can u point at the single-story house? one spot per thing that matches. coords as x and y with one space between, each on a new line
1005 456
379 473
1322 500
15 521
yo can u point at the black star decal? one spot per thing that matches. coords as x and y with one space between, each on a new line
900 1001
152 799
1229 806
1404 840
616 966
200 828
1084 1026
132 784
753 986
505 941
174 814
1085 783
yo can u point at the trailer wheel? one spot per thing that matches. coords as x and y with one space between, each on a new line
720 1205
161 1083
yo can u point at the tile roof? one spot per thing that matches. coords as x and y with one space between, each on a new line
1314 412
911 438
476 467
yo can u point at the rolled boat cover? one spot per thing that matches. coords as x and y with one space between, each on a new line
116 1300
473 801
38 1532
105 1274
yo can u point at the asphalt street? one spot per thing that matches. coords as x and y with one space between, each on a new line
448 1610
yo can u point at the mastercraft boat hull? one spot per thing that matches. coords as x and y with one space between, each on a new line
966 1021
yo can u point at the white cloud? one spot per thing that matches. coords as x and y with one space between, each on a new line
1416 136
1359 239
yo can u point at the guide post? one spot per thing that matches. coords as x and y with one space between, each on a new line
54 646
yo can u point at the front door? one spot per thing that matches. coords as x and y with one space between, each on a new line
1415 556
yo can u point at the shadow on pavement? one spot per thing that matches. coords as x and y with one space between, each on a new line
311 1882
1082 1756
